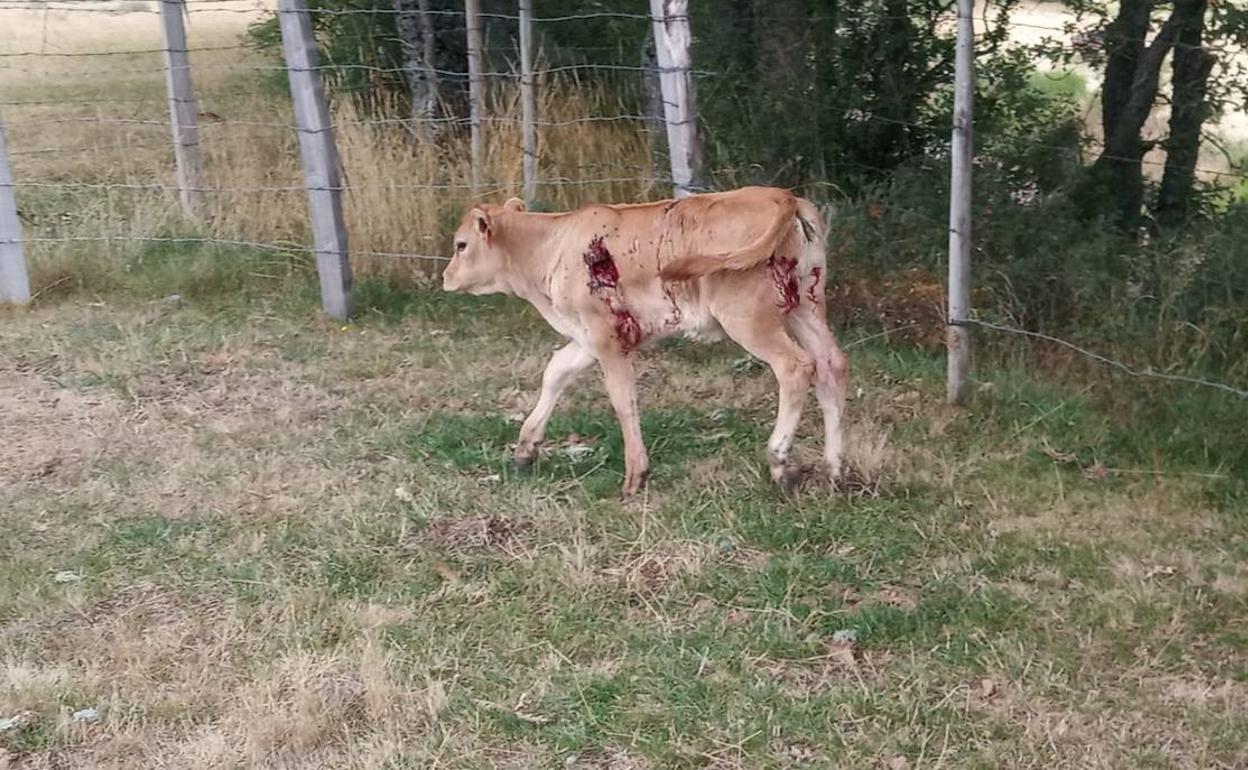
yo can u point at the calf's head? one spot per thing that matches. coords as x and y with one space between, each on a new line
480 262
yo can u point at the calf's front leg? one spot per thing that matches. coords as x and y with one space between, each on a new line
567 362
621 384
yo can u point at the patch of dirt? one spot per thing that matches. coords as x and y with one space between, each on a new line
909 306
649 572
48 430
893 596
843 665
142 605
474 532
855 483
610 759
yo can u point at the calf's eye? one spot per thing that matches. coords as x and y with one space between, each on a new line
460 246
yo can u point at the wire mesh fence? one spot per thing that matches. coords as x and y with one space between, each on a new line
88 117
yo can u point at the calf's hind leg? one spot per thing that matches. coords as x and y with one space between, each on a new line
831 379
766 338
567 362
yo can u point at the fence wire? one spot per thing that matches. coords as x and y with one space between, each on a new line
40 113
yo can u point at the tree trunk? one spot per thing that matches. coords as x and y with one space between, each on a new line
1115 183
1124 43
1191 67
415 28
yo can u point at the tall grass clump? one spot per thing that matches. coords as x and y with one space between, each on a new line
404 195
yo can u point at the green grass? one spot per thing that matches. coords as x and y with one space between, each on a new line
300 542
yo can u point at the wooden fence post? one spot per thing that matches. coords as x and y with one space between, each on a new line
14 280
183 114
528 103
320 157
958 335
476 85
672 38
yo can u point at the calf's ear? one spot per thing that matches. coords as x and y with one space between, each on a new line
481 221
514 204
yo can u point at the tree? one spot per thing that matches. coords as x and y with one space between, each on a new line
1114 186
415 27
1189 109
1205 80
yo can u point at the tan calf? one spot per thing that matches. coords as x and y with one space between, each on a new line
610 278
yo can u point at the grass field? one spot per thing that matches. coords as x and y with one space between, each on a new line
248 537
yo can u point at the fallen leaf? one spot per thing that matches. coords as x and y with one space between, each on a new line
1062 457
843 653
446 571
1159 571
846 635
897 597
88 714
578 451
1096 471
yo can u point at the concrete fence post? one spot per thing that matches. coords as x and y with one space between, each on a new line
958 335
183 113
320 157
528 104
14 279
672 40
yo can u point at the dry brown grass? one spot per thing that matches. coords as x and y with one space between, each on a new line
254 591
278 567
404 196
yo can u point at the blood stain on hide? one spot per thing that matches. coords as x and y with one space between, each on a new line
815 291
604 282
627 330
674 318
603 274
784 274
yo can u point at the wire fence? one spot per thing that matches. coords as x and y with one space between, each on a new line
88 131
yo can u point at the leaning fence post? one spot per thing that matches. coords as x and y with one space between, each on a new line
528 103
476 85
183 114
958 336
14 280
672 38
320 157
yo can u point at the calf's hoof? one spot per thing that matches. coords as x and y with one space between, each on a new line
634 483
522 462
789 479
837 474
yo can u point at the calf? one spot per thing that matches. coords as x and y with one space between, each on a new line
749 263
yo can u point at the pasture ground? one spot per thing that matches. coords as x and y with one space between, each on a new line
248 537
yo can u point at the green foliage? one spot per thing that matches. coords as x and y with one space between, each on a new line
823 95
348 41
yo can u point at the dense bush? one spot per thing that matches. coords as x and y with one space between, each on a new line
850 103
